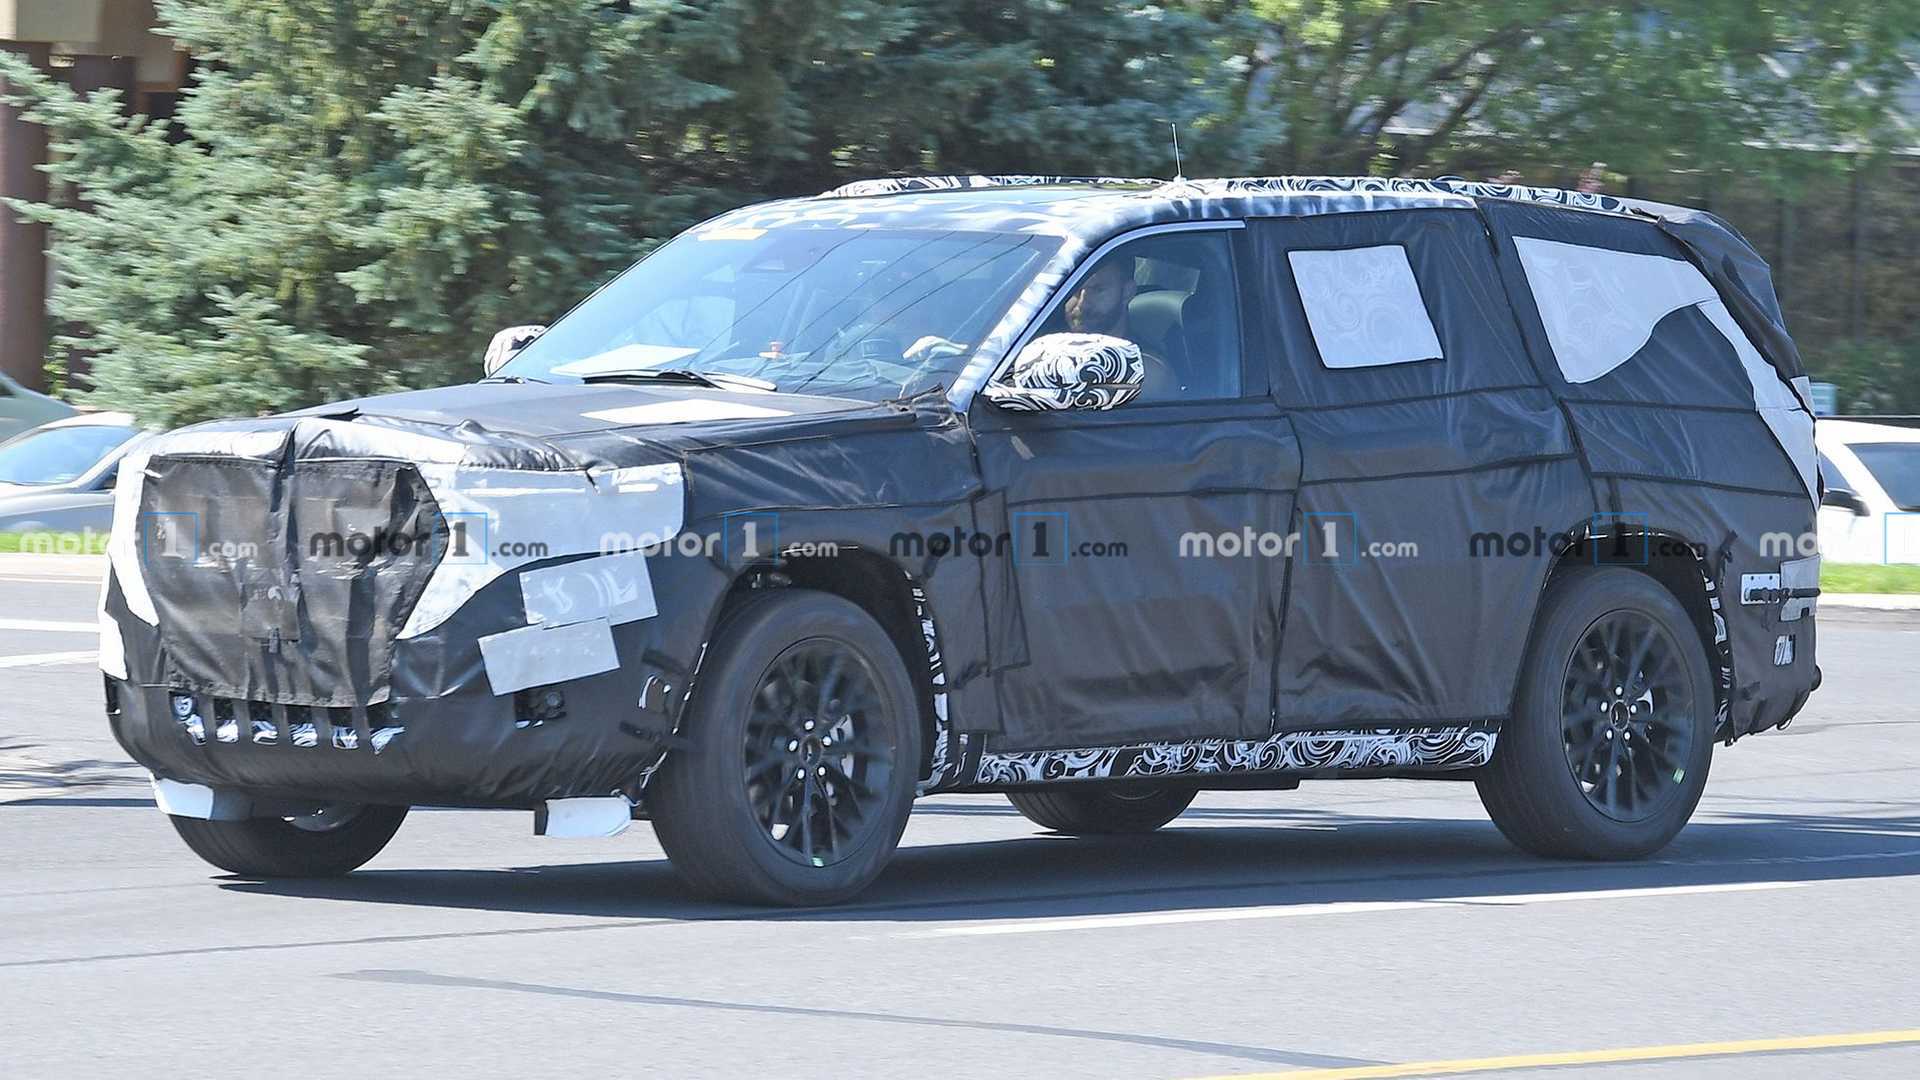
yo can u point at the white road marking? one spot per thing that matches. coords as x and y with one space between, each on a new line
88 656
1344 907
52 626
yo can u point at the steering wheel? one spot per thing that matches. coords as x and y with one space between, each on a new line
1157 376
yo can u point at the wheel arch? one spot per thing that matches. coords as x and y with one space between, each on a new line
892 596
1680 565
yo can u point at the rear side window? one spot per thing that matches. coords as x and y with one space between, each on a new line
1364 306
1600 306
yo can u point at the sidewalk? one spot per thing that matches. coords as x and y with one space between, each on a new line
19 567
1875 601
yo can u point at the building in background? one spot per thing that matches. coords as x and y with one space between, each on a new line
91 45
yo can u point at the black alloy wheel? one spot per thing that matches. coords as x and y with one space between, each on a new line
1629 716
815 769
801 755
1607 751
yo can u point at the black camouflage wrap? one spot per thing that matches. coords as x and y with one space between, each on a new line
318 675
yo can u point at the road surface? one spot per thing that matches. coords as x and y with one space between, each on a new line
1355 928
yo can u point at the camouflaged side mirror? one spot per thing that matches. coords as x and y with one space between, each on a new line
1070 371
506 344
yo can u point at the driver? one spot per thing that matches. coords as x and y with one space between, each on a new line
1098 305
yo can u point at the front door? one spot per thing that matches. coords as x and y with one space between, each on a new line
1137 593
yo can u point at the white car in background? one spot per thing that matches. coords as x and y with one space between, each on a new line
21 408
59 477
1871 510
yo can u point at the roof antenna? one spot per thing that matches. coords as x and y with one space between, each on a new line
1177 174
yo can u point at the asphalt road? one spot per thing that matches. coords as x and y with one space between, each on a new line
1338 927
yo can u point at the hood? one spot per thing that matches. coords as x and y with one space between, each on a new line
552 410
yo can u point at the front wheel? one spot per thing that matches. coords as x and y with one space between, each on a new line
1092 808
334 840
802 753
1606 753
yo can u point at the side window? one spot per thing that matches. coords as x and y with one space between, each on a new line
1382 306
1599 306
1364 306
1173 295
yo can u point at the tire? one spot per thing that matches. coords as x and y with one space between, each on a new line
280 848
735 822
1604 757
1103 808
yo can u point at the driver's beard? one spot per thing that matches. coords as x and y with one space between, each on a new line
1113 326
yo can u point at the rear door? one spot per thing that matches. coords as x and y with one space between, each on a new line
1437 469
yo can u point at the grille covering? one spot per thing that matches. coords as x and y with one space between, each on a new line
286 582
225 720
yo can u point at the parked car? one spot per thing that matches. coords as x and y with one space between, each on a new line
21 408
1870 512
1093 492
59 477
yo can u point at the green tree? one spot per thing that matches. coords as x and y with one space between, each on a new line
365 191
1420 87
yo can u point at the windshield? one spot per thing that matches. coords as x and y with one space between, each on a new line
862 313
57 455
1897 467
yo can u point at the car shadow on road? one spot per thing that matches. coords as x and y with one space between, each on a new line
1338 858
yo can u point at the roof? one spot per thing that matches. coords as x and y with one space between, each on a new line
1092 208
1847 432
1089 207
1219 187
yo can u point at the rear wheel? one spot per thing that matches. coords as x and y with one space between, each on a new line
1106 807
1606 754
338 838
803 750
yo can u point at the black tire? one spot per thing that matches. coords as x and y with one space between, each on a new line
1096 808
1607 752
724 805
335 841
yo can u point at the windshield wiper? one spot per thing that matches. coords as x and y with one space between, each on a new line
713 380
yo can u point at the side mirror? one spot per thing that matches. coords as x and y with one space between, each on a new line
1845 500
508 342
1070 371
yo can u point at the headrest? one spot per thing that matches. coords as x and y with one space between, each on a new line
1153 316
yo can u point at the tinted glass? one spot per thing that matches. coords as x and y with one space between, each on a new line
57 455
1897 467
1174 296
864 313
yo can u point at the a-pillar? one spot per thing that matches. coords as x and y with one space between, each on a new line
23 244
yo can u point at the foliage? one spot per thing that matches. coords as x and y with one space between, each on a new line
53 543
354 195
356 208
1873 378
1869 578
1415 87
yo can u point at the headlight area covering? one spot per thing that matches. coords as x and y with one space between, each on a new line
281 560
